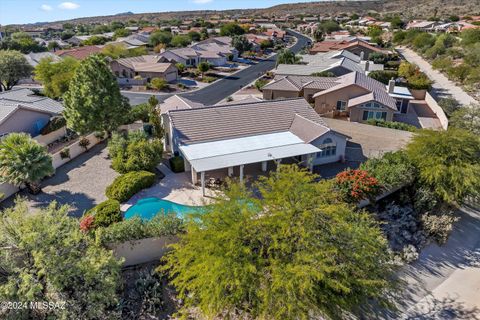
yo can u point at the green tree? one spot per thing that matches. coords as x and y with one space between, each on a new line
94 40
45 257
286 56
467 118
203 67
120 33
329 26
231 29
154 117
181 67
55 76
194 36
53 46
93 101
160 37
448 162
158 83
24 161
293 252
241 44
13 67
180 41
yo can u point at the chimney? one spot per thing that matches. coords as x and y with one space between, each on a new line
362 54
391 86
367 65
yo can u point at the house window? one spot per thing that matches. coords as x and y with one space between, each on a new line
167 139
329 148
341 105
378 115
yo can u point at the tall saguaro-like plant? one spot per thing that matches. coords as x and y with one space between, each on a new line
93 101
24 161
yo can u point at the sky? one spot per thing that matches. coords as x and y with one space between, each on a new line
31 11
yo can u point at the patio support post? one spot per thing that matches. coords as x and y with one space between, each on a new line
264 166
230 171
310 162
194 176
202 179
241 173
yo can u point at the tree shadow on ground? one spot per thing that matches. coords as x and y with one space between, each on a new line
446 308
61 174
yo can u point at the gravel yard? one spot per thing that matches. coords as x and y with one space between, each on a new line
80 183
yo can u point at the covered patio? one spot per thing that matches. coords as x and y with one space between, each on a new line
245 157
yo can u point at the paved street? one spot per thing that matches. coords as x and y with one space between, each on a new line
442 87
226 86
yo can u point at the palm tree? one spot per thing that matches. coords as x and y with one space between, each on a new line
287 57
24 161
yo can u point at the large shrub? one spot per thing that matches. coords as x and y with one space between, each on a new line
134 152
384 76
357 185
125 186
177 164
54 124
105 213
393 169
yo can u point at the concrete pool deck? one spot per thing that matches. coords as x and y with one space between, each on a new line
175 187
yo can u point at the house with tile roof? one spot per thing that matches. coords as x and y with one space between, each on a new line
338 62
353 96
79 53
249 137
147 66
23 111
356 46
216 51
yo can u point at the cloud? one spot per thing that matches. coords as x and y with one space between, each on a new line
201 1
68 6
46 7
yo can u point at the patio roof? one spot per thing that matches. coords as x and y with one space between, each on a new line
253 149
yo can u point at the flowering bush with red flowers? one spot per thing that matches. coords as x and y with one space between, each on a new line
86 223
356 185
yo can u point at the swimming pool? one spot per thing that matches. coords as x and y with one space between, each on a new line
147 208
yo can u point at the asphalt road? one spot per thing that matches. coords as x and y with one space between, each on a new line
225 87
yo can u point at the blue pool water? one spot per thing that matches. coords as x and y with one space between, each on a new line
147 208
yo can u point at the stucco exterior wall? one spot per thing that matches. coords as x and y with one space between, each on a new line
328 102
356 113
341 143
24 121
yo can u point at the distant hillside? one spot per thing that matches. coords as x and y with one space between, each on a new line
407 8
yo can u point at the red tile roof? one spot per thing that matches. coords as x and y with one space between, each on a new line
79 53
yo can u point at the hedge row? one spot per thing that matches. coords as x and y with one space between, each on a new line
126 185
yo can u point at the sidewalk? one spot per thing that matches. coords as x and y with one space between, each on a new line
442 87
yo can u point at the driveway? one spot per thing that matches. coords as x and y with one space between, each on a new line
444 283
225 87
80 183
442 87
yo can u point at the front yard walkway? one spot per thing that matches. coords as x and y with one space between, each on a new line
442 86
79 183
